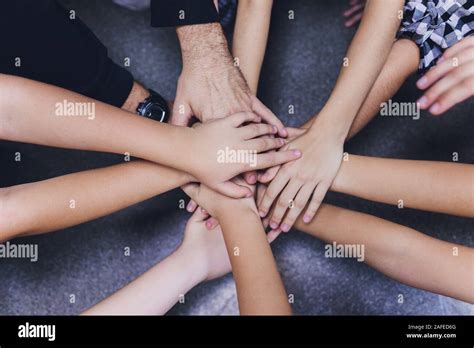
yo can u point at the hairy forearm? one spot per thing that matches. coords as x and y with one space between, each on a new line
72 199
33 112
250 38
260 290
433 186
203 46
155 291
399 252
365 59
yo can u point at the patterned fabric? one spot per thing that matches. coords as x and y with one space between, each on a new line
227 12
436 25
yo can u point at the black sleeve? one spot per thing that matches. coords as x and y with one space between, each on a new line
173 13
41 42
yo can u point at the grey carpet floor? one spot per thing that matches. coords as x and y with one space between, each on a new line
301 66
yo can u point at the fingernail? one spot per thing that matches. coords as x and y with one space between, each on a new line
273 225
203 211
274 129
253 179
423 101
284 132
262 213
306 219
297 153
435 108
208 225
190 207
285 228
281 142
422 82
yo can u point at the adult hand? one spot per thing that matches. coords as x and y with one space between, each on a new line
296 182
451 81
211 86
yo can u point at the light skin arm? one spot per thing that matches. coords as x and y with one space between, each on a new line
260 290
72 199
309 178
399 252
109 129
250 38
200 257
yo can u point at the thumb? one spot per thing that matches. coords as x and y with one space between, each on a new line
181 114
233 190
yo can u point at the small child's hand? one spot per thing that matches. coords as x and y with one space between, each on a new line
207 246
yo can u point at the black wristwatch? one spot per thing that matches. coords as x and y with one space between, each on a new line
154 107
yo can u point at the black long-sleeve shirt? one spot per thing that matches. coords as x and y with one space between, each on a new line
173 13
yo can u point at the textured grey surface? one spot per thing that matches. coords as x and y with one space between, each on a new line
300 69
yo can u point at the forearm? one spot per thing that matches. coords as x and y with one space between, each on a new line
34 112
365 59
433 186
72 199
250 38
155 291
399 252
260 290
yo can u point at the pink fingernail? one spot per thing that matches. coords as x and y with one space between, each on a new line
284 132
435 108
262 213
285 228
252 179
423 101
274 129
306 219
297 153
422 82
273 225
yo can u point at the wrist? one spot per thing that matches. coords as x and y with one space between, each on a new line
192 264
323 122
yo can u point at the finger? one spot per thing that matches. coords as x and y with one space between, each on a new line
250 177
452 97
442 68
267 160
460 46
191 207
295 132
243 117
199 215
439 88
265 144
301 200
256 130
450 81
353 10
211 223
316 201
354 20
273 235
268 175
233 190
284 203
268 116
181 114
272 192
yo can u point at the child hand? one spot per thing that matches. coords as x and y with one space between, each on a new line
451 81
224 148
207 246
305 180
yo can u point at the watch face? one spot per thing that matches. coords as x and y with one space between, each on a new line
155 112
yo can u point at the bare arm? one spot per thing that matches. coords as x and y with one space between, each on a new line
399 252
433 186
72 199
250 38
260 290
